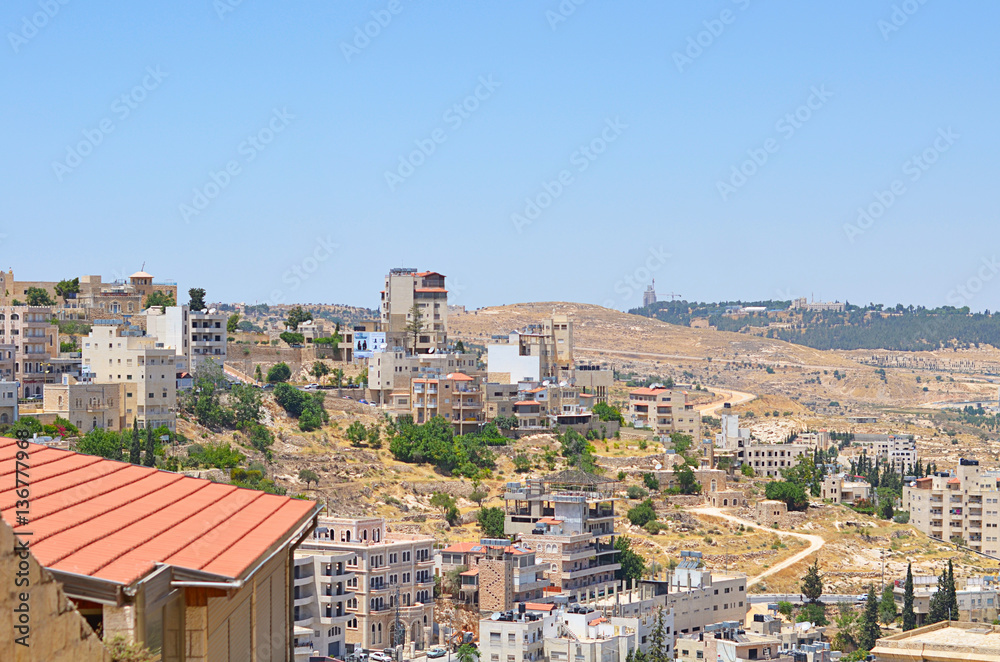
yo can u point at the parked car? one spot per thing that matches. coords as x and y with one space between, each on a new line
379 656
436 652
311 387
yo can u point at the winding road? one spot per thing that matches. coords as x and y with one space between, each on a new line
815 542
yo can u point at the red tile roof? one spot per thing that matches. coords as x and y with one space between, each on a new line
471 572
116 521
479 548
458 377
538 606
424 274
550 520
527 402
430 290
647 391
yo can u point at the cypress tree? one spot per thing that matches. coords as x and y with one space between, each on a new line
909 617
135 452
150 448
812 582
951 602
868 628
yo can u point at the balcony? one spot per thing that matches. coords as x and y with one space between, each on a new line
303 600
303 580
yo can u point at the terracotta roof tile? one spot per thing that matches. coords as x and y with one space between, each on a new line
116 521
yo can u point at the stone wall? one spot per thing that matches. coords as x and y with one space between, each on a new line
57 631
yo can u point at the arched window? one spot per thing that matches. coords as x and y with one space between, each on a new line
3 418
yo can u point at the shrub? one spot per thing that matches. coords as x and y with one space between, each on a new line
636 492
279 372
642 513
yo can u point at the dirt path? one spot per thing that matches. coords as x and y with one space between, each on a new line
728 395
815 542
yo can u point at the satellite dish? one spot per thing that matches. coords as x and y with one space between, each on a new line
562 383
658 466
495 616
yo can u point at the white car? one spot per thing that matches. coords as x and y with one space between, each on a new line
379 656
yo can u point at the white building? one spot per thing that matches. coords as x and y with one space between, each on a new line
320 598
8 402
197 336
146 367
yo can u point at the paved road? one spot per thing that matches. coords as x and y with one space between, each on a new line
815 542
796 598
685 357
729 395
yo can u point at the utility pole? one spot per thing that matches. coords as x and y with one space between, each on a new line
883 568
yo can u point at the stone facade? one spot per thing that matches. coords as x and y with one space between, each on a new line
58 631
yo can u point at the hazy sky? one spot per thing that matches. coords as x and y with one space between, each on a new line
274 151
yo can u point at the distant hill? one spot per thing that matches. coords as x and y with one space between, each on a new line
901 328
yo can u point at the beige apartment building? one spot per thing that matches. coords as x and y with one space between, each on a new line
405 287
964 504
495 574
8 402
568 518
87 406
664 411
390 372
898 450
538 352
455 397
35 340
840 488
700 597
387 566
196 335
145 367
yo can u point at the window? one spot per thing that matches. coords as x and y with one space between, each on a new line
494 637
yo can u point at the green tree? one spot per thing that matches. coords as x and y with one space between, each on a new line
415 325
158 298
814 613
686 481
374 436
868 628
233 323
150 459
292 338
793 495
279 372
490 522
785 608
650 480
309 476
887 606
658 640
812 582
746 470
64 288
38 296
442 501
522 463
633 565
642 513
297 316
257 373
909 617
356 433
479 493
196 298
319 370
246 403
467 653
607 412
135 452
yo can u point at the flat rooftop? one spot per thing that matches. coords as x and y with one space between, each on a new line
945 641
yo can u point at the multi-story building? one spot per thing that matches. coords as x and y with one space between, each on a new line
900 451
146 368
568 518
390 569
594 379
196 335
390 373
698 597
504 572
319 602
539 352
663 410
405 288
841 488
85 405
35 340
455 397
728 641
766 459
978 597
962 504
8 402
7 361
517 635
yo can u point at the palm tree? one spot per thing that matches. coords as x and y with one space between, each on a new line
467 653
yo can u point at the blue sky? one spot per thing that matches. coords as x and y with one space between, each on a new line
611 119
